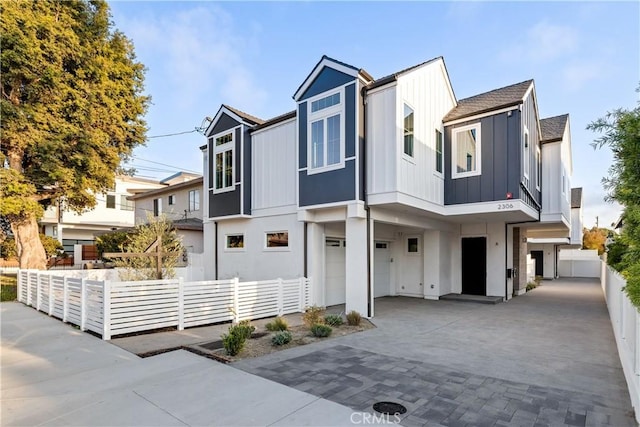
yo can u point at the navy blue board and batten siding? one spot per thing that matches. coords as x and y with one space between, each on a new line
225 203
338 185
500 156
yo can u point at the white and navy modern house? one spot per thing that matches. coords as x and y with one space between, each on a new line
386 187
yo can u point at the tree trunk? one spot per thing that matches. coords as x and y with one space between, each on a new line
30 250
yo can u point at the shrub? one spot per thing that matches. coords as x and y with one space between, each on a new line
333 320
313 316
353 318
278 324
531 285
321 331
281 338
245 328
233 342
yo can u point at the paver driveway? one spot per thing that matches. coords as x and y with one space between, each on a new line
544 358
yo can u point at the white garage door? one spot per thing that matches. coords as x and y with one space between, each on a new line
382 269
335 282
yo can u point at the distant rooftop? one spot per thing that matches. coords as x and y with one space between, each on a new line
552 128
393 77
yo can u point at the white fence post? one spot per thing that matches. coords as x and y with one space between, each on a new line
236 300
51 299
38 291
301 305
180 304
19 285
106 310
28 285
280 296
83 305
65 299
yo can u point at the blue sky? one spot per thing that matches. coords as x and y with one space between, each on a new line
584 57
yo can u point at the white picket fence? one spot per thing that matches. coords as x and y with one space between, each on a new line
112 308
625 320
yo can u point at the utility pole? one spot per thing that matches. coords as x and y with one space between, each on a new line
597 222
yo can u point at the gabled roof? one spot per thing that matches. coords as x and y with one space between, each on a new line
493 100
180 177
169 188
188 224
275 120
236 114
246 116
552 128
576 197
335 64
393 77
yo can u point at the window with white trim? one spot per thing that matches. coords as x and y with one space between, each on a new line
413 245
157 207
439 152
527 150
277 239
235 241
125 204
538 168
194 200
111 201
325 132
466 150
408 130
172 199
224 153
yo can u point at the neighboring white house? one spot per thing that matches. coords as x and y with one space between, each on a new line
390 186
181 202
112 212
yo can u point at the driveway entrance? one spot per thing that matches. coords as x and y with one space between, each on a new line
545 358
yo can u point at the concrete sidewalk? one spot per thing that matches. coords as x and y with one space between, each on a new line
52 374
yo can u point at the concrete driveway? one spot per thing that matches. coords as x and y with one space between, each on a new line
544 358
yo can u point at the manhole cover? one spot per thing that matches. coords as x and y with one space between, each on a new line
389 408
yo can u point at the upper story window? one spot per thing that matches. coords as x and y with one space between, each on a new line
111 201
408 130
157 207
466 149
538 169
194 200
527 150
439 156
126 205
224 152
325 133
172 199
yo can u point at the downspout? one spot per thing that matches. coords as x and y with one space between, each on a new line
366 204
215 242
304 252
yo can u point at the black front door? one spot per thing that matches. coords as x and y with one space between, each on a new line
538 256
474 265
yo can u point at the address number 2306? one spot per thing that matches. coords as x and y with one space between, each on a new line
504 206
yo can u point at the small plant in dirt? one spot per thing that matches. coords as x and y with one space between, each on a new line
354 318
246 328
313 316
321 331
333 320
277 324
531 285
233 342
281 338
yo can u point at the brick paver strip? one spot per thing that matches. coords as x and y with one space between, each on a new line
436 395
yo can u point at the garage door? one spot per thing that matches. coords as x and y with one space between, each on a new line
382 270
335 282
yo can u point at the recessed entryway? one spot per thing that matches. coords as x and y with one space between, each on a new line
474 265
335 271
538 256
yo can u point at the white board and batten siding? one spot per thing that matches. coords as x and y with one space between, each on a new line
427 92
274 170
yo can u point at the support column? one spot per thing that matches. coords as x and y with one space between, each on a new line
357 271
520 260
315 262
432 256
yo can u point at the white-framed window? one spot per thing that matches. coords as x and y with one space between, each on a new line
413 245
277 240
194 200
538 168
234 242
125 204
408 130
527 155
111 201
224 158
157 207
439 151
466 151
325 133
172 199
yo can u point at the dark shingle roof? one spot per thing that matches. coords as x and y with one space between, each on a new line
576 197
248 117
188 224
488 101
393 77
552 128
274 120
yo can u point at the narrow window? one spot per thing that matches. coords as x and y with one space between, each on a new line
408 130
223 177
538 168
157 207
527 148
439 157
194 200
412 245
466 149
278 239
111 201
235 241
317 144
325 134
126 205
172 199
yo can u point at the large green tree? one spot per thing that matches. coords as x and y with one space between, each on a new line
72 110
620 130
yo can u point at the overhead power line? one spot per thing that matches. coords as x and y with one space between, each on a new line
172 134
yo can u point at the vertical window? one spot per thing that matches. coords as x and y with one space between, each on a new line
194 200
466 149
413 245
408 130
126 205
527 150
111 201
172 199
157 207
326 136
224 150
277 239
439 157
538 168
